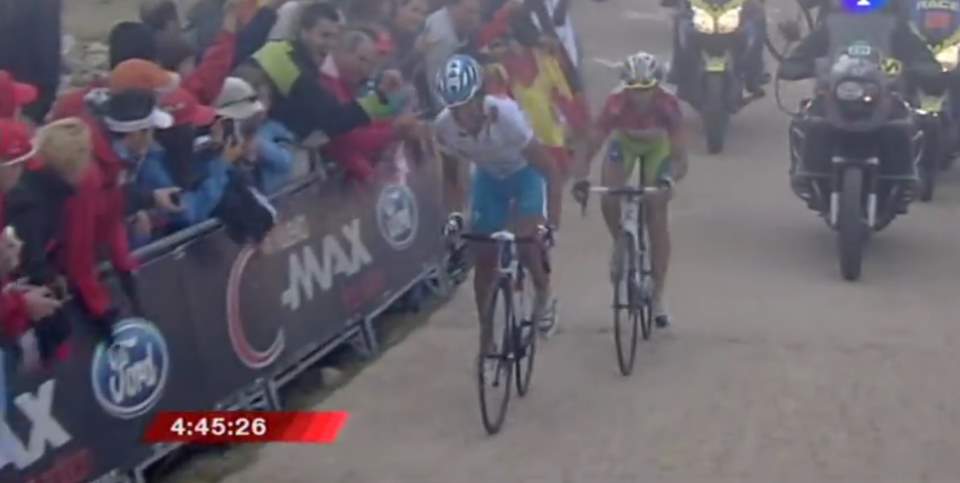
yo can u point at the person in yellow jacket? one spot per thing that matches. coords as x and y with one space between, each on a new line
533 76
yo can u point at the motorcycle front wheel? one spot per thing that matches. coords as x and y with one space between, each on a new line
851 230
716 116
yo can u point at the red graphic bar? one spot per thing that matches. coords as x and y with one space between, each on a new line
220 427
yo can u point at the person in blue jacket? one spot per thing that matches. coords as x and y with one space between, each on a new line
208 167
271 153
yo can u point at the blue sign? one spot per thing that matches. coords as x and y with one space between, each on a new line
863 6
129 376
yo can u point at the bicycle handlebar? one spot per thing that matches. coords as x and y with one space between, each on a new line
486 238
627 191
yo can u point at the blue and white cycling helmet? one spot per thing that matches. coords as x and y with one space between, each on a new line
459 80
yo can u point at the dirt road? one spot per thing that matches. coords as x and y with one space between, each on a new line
775 371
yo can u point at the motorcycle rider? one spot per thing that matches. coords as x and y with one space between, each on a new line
895 148
936 22
751 61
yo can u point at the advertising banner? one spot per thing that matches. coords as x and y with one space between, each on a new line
217 316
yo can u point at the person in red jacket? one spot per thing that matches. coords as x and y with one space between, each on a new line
348 67
203 79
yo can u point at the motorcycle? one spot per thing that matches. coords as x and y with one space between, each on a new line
938 23
858 109
715 84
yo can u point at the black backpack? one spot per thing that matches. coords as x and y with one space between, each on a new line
247 213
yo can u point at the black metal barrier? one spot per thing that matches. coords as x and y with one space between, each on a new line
221 319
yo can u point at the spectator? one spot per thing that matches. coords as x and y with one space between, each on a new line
20 304
406 26
293 68
178 141
122 125
206 19
448 31
14 96
273 157
352 63
35 208
133 118
537 82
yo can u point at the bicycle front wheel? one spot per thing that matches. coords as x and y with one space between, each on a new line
625 305
495 368
525 340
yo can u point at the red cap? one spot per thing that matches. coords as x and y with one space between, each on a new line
16 143
185 109
14 94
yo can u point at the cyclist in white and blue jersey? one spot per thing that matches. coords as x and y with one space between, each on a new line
513 177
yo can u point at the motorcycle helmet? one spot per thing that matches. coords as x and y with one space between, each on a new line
459 80
641 71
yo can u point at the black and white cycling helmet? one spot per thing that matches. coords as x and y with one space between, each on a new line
641 71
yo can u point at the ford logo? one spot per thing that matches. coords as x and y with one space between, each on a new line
129 376
397 216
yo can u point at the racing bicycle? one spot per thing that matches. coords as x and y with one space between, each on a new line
510 309
633 283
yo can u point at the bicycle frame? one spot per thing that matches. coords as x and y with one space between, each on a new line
508 264
632 222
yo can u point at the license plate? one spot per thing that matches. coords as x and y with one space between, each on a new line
931 103
716 64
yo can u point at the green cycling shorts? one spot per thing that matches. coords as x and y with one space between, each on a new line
653 157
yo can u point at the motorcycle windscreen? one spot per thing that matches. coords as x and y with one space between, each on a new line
875 30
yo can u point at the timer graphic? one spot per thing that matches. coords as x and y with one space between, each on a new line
221 427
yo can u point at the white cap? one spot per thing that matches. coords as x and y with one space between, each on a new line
238 100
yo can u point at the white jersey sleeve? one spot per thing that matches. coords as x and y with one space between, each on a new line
512 123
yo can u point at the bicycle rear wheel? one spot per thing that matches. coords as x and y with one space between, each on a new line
490 383
525 340
625 299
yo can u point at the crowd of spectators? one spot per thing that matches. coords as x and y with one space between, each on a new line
200 119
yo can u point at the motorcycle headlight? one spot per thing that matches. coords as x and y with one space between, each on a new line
729 21
949 57
850 91
703 22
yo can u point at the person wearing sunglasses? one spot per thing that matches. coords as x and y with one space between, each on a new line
643 123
